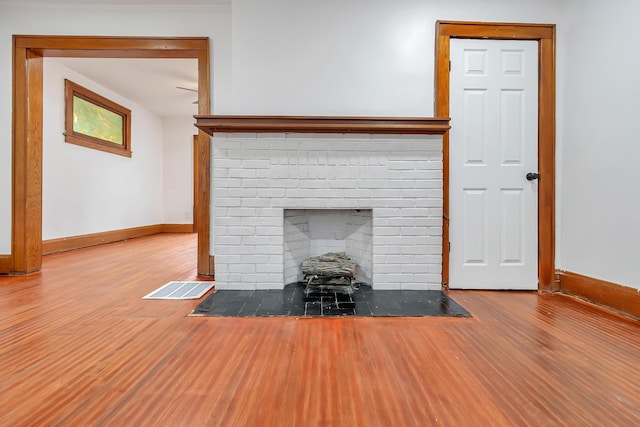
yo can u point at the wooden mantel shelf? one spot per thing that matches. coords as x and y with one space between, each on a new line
322 124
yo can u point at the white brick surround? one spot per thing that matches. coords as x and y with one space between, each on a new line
255 177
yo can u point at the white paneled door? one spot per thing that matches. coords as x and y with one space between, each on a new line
493 146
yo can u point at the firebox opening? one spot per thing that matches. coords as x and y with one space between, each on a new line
313 232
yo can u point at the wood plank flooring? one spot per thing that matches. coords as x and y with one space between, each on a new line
79 346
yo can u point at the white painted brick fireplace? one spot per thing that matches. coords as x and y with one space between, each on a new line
265 182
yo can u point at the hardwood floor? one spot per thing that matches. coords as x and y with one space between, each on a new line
79 346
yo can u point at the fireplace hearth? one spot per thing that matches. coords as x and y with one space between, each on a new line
296 301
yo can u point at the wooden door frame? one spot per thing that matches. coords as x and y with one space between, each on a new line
28 54
195 179
545 35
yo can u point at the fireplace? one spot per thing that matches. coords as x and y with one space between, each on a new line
267 185
313 232
284 188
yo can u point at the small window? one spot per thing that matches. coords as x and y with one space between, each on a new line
94 121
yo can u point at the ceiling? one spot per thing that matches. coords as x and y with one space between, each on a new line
151 83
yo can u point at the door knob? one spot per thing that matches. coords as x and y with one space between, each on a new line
532 176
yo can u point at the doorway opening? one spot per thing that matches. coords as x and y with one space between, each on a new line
28 54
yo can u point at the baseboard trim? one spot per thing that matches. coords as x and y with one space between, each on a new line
83 241
210 274
5 264
178 228
622 299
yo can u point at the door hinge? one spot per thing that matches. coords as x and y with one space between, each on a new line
449 246
449 66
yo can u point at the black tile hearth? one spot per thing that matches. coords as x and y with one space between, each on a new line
296 300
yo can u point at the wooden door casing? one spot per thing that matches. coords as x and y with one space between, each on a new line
545 34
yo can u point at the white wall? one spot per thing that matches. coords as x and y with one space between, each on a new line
600 206
332 57
365 57
177 200
46 18
86 190
355 57
375 57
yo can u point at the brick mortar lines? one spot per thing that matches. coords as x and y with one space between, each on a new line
400 187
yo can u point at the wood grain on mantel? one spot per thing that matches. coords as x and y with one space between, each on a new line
322 124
